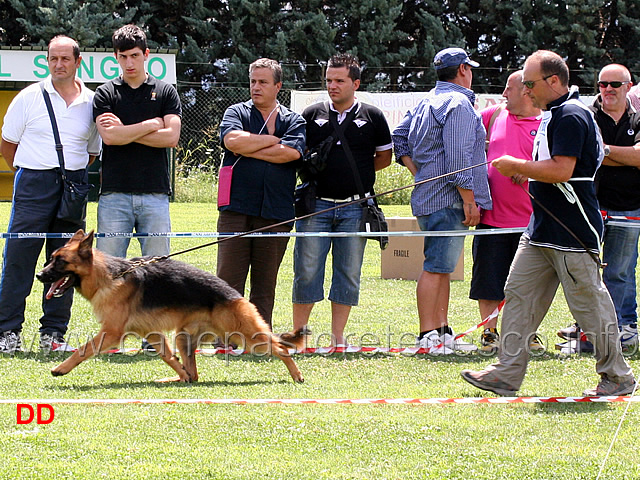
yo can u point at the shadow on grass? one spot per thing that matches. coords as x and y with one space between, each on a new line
160 386
456 358
572 408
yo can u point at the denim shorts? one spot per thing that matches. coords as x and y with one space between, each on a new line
310 255
441 254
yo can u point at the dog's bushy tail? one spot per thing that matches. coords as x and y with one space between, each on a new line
295 339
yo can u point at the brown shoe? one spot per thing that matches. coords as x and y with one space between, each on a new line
608 388
480 380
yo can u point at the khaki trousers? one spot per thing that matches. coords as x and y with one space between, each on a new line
533 280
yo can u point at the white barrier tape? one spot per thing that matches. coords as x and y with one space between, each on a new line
443 233
493 315
330 350
322 401
628 224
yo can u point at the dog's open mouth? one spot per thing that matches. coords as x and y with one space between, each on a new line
60 286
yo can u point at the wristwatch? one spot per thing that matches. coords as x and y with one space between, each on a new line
607 150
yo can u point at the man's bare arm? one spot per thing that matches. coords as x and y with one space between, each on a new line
166 137
629 156
113 132
382 159
557 169
277 154
244 143
408 162
8 151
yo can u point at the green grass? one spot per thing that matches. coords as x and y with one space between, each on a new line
541 441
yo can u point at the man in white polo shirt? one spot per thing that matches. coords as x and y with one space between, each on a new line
28 146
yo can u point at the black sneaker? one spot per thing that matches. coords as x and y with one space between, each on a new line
147 347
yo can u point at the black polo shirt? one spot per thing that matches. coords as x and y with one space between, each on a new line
618 188
367 130
135 168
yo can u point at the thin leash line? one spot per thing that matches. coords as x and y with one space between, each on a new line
595 257
615 435
262 229
330 209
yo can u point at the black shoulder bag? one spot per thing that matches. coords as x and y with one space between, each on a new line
73 204
312 163
372 216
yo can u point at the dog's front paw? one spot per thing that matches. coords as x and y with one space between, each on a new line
58 372
174 380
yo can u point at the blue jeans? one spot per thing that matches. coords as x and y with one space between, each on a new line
310 256
441 254
122 212
620 253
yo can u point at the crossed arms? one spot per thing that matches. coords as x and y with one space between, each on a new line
262 147
160 132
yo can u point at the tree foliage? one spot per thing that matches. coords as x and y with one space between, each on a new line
395 39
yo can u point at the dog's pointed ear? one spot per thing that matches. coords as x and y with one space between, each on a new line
85 250
78 236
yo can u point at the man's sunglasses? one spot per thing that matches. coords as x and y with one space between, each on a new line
613 84
530 83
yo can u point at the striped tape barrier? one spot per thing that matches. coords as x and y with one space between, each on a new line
324 401
409 233
331 350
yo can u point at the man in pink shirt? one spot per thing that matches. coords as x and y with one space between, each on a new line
511 129
634 97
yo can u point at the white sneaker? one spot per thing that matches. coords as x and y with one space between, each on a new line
432 343
458 345
628 335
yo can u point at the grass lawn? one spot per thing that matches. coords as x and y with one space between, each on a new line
539 441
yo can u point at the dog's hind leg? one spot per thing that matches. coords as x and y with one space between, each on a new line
265 343
258 337
283 354
102 342
187 347
161 345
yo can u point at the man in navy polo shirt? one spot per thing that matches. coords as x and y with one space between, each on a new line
561 244
261 139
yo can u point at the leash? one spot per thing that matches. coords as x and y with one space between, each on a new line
142 263
593 255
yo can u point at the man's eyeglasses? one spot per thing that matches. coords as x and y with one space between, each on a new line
530 83
613 84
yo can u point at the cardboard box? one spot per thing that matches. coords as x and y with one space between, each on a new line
404 256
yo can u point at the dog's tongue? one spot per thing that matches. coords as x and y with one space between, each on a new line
54 287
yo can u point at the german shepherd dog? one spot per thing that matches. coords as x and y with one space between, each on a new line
158 297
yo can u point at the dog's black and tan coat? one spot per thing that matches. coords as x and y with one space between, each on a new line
159 297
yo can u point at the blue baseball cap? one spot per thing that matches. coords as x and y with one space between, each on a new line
452 57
